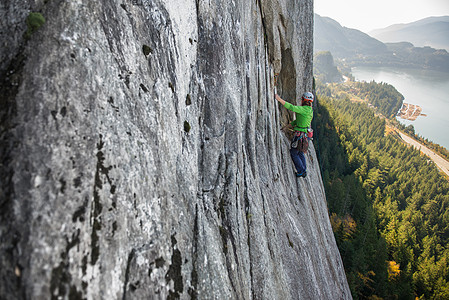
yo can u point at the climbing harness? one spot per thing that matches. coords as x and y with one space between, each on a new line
300 141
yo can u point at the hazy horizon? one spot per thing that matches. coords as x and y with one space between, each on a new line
369 15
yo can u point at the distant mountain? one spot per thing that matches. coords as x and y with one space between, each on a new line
432 31
342 41
356 48
324 68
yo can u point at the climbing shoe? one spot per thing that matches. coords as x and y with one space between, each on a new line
304 174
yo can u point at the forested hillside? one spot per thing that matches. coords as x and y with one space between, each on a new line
387 101
388 205
383 96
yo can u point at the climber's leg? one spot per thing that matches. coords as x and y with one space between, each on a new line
302 157
299 161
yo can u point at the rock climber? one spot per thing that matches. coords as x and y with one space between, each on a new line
304 115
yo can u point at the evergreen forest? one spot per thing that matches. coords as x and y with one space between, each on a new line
383 96
387 102
388 204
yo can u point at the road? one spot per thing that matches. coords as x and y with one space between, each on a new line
438 160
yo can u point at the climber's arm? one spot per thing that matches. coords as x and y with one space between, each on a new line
301 110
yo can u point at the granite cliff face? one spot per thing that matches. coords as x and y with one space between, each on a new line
142 156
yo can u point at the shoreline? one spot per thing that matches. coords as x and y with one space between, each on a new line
408 112
414 85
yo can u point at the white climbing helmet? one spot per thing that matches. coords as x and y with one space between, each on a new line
307 96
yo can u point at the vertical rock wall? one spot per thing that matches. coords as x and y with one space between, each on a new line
142 155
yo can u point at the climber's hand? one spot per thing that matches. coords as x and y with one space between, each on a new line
276 96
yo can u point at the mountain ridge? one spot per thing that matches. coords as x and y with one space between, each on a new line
431 31
329 35
357 48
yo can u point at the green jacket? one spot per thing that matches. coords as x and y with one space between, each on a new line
304 115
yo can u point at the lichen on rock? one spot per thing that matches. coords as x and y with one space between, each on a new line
34 21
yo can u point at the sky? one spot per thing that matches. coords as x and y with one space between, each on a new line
366 15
